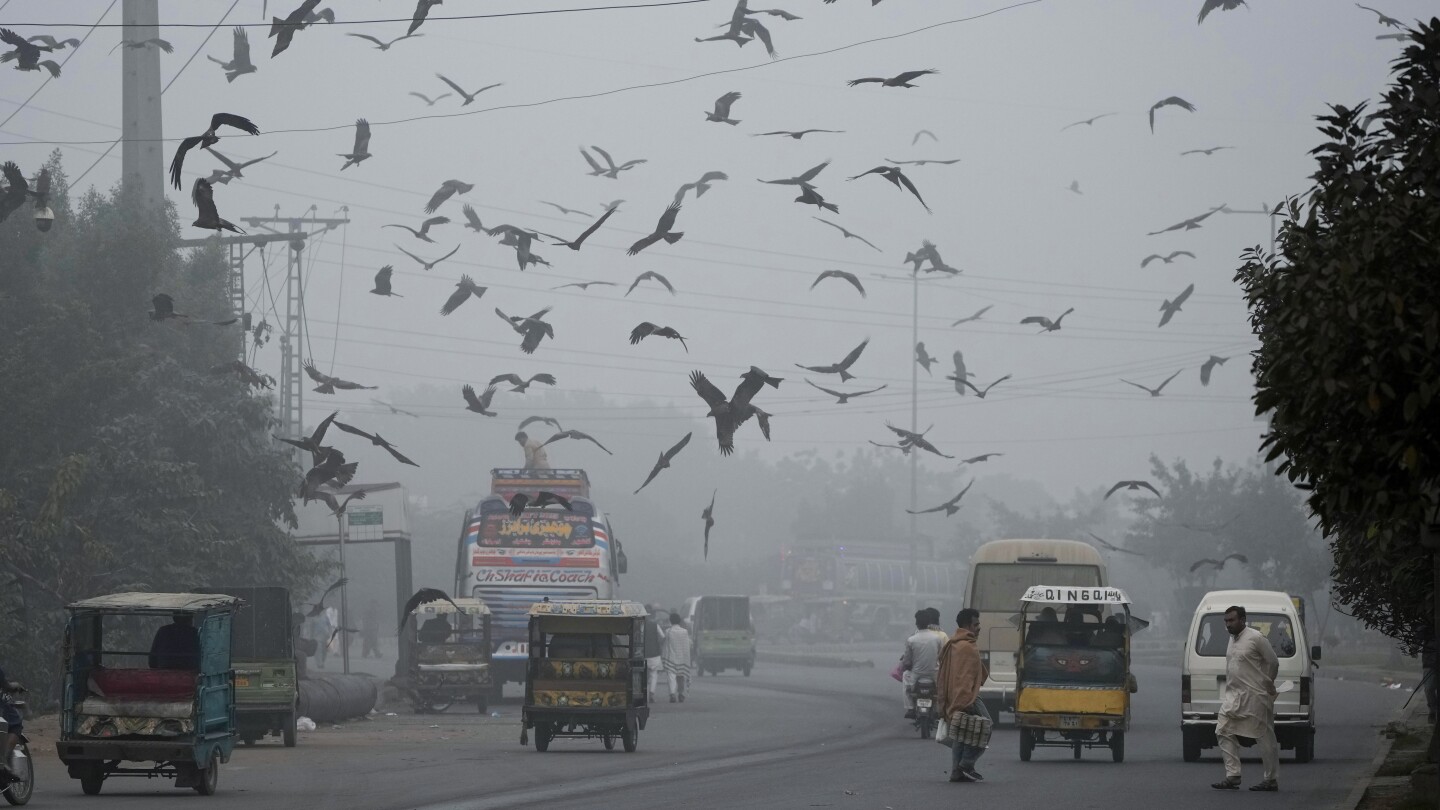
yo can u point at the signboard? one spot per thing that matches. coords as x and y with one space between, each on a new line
536 530
365 516
1075 595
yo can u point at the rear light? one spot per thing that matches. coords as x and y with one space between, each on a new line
1305 691
1184 688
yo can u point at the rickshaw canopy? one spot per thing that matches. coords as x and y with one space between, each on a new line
138 602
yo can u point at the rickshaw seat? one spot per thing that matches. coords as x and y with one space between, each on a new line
143 684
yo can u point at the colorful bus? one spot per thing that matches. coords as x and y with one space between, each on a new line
543 554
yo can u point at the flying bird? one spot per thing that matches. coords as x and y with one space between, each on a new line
1224 5
902 80
463 290
575 434
981 392
921 162
380 45
1166 259
802 179
610 170
903 448
699 186
1108 546
708 515
331 467
1075 187
810 196
233 168
950 507
1188 224
137 44
1171 101
52 43
897 178
424 233
313 444
328 384
203 195
18 191
532 329
1131 485
1208 366
843 367
1088 121
928 253
319 605
840 274
977 315
429 102
284 30
361 150
585 285
848 234
423 596
646 329
519 502
795 134
447 189
422 9
650 275
1154 392
521 385
1218 564
843 398
428 265
961 375
1384 19
478 403
580 240
721 113
163 308
469 97
1169 308
562 209
1207 152
394 411
1045 324
923 357
26 55
662 231
916 139
911 439
664 461
376 440
980 458
530 420
730 414
207 139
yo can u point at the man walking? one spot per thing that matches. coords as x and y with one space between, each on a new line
654 649
922 654
958 681
675 654
1247 708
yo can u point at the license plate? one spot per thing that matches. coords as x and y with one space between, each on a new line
1068 721
242 682
923 703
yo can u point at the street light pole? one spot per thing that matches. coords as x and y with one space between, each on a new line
914 423
344 602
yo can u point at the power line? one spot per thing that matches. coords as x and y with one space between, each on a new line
587 96
388 20
63 63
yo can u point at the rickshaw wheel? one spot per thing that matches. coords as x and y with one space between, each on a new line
629 736
482 705
747 670
1027 744
1117 745
542 737
436 707
287 733
210 776
1077 750
92 778
609 742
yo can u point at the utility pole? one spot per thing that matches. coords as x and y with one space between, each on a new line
340 522
237 252
142 152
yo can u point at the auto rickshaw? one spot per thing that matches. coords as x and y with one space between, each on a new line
450 662
1072 676
147 679
585 676
724 635
262 652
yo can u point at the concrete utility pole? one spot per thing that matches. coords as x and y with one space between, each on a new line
142 152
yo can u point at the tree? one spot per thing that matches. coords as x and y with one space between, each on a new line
1348 316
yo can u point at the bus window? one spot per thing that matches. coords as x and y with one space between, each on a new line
999 586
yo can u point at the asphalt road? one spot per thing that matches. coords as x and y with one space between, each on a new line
788 737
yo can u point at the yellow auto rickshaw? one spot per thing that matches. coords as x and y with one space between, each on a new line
1072 671
585 676
450 658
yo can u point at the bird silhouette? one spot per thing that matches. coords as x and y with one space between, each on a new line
580 240
1108 546
699 186
376 440
26 55
902 80
239 63
328 384
663 230
922 162
664 461
1172 101
916 139
203 195
1166 259
532 329
961 375
1045 324
610 170
429 102
923 357
730 414
1187 224
422 10
949 507
708 515
1218 564
394 411
163 308
1224 5
1154 392
848 234
803 179
447 189
911 439
522 385
331 467
1384 19
1207 152
235 168
1131 485
469 97
843 367
207 139
810 196
646 329
978 314
318 606
52 43
530 420
795 134
465 288
361 150
423 596
980 458
650 275
382 45
520 501
1075 187
314 443
1208 366
428 265
897 178
478 403
562 209
1088 121
842 398
1169 308
585 285
284 30
575 434
137 44
424 233
382 282
981 392
840 274
721 113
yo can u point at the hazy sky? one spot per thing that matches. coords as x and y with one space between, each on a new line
1007 85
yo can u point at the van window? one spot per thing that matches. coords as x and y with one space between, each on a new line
1212 638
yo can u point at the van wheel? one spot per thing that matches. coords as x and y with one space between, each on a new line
1305 747
1117 746
1027 745
92 778
1190 745
630 735
209 777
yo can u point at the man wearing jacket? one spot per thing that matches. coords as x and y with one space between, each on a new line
957 685
922 654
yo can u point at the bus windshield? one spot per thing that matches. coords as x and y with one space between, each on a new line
999 586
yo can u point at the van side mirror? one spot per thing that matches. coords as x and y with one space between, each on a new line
623 565
1315 653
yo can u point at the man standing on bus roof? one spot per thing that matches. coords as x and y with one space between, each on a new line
535 457
1247 708
922 654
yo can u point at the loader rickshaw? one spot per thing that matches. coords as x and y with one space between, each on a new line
1072 675
451 659
147 680
585 676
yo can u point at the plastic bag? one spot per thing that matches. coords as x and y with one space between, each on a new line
898 673
303 723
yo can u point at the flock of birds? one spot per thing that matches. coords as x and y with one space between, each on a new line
329 470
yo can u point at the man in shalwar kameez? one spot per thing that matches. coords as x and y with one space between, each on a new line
1247 709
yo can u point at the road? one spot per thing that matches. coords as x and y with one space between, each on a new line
787 737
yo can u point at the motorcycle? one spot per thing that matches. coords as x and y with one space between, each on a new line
925 718
18 792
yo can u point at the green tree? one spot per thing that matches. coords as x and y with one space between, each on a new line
1348 316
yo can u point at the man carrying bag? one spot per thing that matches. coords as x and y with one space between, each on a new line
958 683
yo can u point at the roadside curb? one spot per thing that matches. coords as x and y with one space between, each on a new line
812 660
1362 785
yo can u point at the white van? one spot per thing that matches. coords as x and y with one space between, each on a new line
1202 674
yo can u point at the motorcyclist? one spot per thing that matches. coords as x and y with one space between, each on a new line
14 727
922 654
